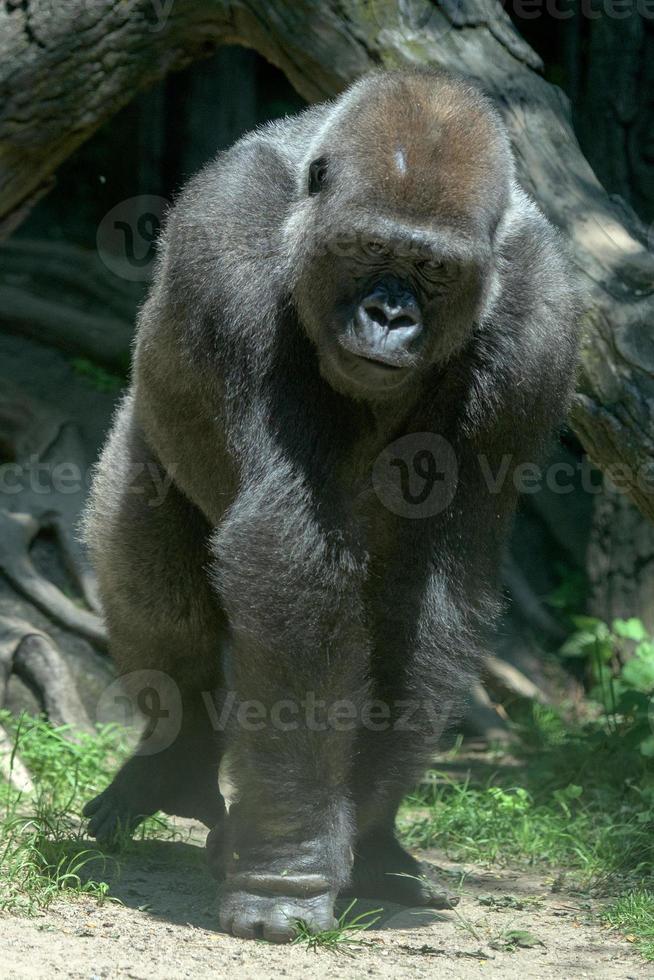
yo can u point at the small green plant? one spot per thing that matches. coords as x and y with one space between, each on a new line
581 797
97 376
494 824
620 661
41 856
346 932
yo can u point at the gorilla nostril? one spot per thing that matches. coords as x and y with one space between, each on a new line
404 320
377 314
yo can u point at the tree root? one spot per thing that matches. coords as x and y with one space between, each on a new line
17 531
41 445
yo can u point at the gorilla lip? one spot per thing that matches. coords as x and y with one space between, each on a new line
365 368
380 362
353 353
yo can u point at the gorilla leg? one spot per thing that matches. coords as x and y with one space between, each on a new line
416 683
297 656
386 771
166 630
432 605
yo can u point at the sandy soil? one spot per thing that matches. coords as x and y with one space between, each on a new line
165 928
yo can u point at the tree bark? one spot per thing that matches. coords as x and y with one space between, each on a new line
620 561
62 295
614 109
66 68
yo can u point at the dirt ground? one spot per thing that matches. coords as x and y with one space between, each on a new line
164 927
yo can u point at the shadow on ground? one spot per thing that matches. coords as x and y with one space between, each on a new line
170 881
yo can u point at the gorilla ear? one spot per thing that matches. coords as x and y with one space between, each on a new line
317 174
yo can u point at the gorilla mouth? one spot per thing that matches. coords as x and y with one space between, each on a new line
369 369
376 357
381 362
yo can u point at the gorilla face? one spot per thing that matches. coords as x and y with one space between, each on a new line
396 216
390 304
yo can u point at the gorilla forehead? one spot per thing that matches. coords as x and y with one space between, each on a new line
424 143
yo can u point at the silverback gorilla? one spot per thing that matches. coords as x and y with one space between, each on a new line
358 320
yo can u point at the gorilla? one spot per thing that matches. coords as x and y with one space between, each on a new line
359 328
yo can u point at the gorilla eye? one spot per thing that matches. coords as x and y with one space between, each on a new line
375 247
431 268
317 175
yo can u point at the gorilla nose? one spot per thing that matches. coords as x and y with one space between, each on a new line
392 316
388 325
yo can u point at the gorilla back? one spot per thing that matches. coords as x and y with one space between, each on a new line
357 316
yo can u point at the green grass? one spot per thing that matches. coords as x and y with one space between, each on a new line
633 915
43 846
345 934
511 824
581 799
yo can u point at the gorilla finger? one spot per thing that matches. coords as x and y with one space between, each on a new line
94 805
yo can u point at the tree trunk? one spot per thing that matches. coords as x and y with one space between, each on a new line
64 69
611 82
614 106
620 560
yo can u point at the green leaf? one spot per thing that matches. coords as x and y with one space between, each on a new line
591 624
581 644
630 629
604 650
632 701
645 650
565 795
647 748
639 673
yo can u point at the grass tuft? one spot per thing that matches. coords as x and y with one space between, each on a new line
633 915
344 935
44 851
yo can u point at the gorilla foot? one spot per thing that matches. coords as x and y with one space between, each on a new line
267 906
112 816
384 870
145 785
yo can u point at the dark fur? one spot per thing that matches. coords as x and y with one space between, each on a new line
271 568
